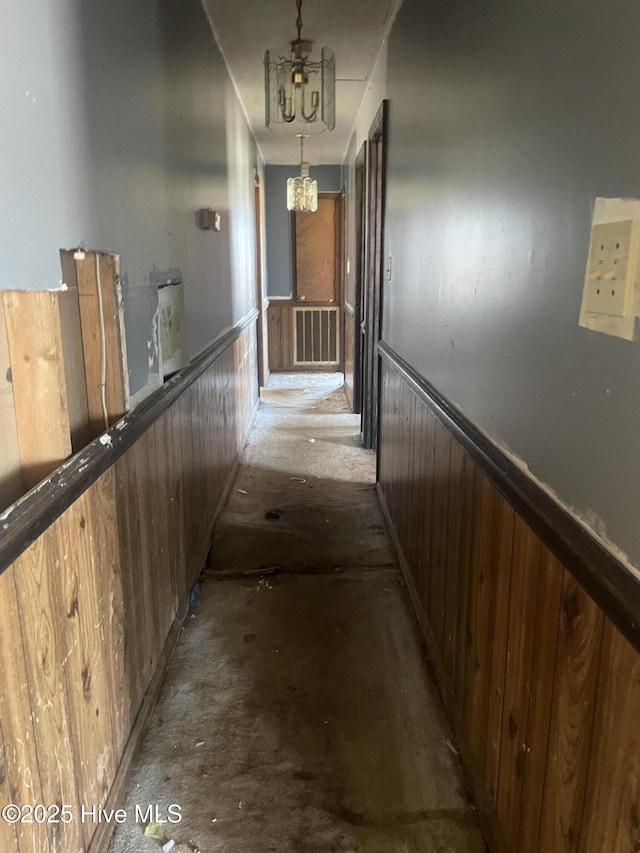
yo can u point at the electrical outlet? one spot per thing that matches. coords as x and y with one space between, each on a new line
612 268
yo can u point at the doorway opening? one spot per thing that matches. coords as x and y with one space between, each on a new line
304 329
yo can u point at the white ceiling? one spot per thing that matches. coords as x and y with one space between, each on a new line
353 29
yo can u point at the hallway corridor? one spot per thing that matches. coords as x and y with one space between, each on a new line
298 713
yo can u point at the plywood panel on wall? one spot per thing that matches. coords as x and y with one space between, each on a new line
543 691
103 339
50 401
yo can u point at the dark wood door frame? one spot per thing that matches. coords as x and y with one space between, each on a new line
373 278
263 366
360 267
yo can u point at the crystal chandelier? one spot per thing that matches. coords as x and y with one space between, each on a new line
300 92
302 191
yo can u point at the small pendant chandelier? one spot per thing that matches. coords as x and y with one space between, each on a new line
300 92
302 191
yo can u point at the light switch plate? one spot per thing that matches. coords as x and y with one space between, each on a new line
612 268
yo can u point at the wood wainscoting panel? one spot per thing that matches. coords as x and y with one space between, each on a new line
280 332
19 755
541 688
92 609
577 669
348 338
611 819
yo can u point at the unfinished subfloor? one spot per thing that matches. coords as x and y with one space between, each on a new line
298 713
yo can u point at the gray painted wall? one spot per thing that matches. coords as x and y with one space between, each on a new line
123 123
278 219
506 121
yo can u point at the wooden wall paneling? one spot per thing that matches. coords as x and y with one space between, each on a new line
420 568
611 818
279 315
417 475
490 563
91 600
230 409
439 542
190 497
550 701
217 466
112 620
208 461
165 462
159 498
572 714
469 475
22 773
128 519
403 524
540 697
394 430
8 836
84 620
207 486
499 578
43 404
91 296
40 611
527 552
176 500
413 482
348 338
424 587
454 580
146 589
218 444
386 425
11 486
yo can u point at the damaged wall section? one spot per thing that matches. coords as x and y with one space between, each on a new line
123 117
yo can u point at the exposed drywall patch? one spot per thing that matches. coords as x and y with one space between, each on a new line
140 304
172 329
153 344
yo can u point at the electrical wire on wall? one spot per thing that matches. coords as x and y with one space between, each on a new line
103 347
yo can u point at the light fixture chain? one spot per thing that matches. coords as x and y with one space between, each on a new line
299 19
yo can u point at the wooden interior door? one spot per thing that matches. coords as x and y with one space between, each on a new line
314 253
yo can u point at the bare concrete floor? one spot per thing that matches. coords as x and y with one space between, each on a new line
299 715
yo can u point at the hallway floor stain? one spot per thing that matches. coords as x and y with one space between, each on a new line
299 714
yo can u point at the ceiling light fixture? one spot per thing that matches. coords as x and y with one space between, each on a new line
300 92
302 191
